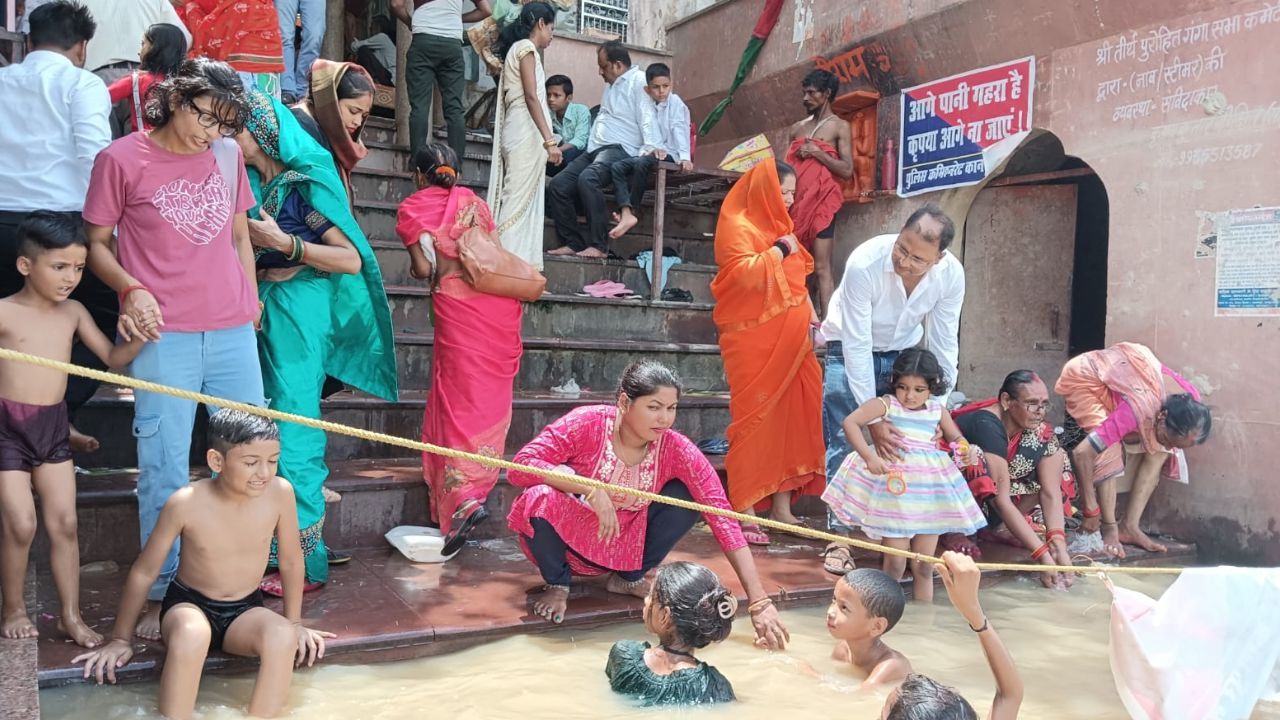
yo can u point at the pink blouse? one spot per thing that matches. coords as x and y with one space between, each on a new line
583 440
1122 421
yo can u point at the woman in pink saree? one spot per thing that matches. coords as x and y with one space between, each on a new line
476 352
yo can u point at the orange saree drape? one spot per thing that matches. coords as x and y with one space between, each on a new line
763 314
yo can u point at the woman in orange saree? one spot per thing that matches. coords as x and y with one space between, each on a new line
765 319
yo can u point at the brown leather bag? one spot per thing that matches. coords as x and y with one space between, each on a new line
490 268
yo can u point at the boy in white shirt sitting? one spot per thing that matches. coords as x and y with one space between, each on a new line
631 176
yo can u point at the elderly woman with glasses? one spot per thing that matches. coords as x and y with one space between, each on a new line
1022 466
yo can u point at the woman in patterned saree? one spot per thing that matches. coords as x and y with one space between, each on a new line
324 307
566 531
476 348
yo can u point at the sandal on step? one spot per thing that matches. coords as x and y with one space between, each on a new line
465 519
337 557
754 535
837 560
955 542
273 585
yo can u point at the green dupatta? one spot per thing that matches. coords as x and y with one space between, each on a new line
363 351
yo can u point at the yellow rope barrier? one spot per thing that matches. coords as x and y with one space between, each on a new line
331 427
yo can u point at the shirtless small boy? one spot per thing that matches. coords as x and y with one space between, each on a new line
226 525
866 605
34 431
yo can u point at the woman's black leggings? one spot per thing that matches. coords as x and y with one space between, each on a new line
665 526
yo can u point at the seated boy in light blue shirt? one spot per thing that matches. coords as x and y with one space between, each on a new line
631 176
570 120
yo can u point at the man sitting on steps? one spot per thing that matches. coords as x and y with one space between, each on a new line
626 127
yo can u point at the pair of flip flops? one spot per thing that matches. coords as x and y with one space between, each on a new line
608 289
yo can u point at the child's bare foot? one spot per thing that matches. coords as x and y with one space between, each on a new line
561 251
17 626
82 634
625 223
638 588
592 253
551 603
1135 536
1111 540
149 626
82 443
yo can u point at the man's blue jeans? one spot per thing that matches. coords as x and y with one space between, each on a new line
222 363
838 403
297 64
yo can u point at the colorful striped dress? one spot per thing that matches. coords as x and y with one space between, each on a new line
936 499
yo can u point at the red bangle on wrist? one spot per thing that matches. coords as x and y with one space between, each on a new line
1092 513
125 293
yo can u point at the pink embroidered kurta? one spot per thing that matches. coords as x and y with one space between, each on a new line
583 440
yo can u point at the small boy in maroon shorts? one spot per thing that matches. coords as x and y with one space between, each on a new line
34 432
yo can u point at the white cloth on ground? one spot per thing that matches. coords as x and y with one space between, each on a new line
1205 651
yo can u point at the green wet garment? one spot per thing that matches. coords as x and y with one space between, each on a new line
629 675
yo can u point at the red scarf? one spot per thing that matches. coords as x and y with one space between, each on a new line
818 194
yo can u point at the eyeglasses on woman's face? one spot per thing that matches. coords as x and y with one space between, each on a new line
210 120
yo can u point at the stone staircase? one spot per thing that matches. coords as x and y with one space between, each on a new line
565 335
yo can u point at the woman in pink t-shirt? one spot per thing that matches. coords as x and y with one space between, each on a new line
176 197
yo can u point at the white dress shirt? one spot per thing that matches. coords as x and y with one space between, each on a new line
627 117
121 25
53 123
673 126
870 312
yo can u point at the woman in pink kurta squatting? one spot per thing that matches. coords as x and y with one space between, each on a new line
566 532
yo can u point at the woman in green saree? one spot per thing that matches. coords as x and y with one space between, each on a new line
324 307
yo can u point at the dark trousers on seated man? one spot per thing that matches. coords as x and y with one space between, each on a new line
631 179
100 300
568 156
581 184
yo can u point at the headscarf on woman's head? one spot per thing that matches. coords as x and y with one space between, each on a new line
348 149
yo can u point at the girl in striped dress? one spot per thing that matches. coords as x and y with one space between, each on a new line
907 503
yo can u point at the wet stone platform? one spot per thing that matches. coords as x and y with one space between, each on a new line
385 608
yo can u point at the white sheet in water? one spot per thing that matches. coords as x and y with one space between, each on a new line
1209 649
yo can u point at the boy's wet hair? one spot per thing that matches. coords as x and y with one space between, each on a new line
881 595
229 428
564 82
655 71
701 608
920 363
923 698
45 230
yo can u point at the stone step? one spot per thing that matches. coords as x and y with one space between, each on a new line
382 132
571 316
567 275
690 234
595 364
385 156
108 416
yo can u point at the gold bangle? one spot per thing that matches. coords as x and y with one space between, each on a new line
760 606
549 143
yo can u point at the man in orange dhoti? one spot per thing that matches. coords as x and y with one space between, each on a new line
822 153
765 320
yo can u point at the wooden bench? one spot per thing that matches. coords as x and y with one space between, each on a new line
699 189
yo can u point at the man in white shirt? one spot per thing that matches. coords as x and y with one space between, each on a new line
625 127
897 291
53 123
377 53
435 58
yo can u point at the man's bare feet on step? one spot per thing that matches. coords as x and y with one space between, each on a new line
593 253
16 625
1135 536
149 626
82 634
619 586
627 221
561 251
82 443
550 603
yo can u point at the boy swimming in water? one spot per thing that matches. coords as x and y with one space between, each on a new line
35 449
225 525
867 604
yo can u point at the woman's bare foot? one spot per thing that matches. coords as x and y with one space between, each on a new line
1111 540
625 223
561 251
1135 536
82 443
149 626
787 518
17 626
593 253
83 635
551 603
619 586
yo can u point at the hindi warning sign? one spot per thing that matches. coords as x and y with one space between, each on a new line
1248 255
956 130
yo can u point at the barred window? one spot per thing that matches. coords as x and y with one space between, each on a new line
604 17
